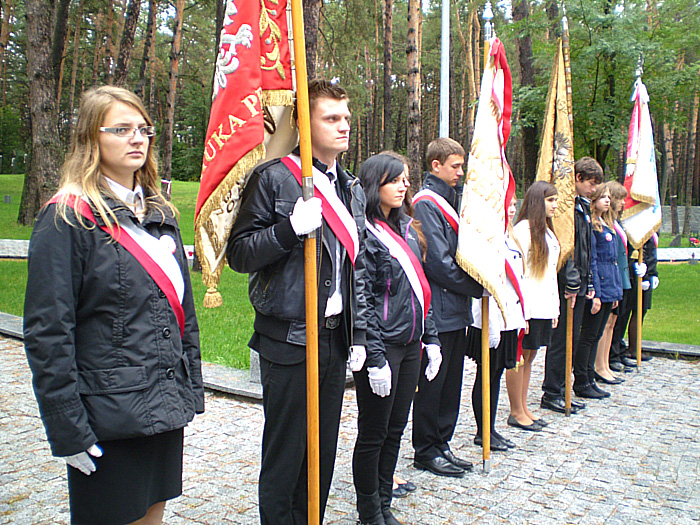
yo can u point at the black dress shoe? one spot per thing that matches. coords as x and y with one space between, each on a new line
628 362
556 404
507 442
399 492
600 390
408 486
496 444
588 392
540 422
457 462
532 427
616 366
580 405
439 466
614 381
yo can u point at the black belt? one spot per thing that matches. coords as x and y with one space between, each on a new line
332 322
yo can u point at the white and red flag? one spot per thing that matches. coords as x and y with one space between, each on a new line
250 121
489 185
641 217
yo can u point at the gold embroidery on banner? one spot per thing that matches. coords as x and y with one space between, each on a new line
273 38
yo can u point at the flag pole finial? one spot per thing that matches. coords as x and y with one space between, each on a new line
640 67
564 20
488 26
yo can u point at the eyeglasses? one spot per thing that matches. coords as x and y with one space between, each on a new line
145 131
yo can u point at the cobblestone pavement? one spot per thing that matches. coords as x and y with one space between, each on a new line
634 458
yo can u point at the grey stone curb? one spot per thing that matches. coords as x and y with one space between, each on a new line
238 383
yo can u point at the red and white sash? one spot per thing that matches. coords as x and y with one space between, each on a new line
399 250
623 235
335 213
127 240
447 210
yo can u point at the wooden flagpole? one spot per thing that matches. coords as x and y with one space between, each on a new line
312 402
485 350
569 303
640 305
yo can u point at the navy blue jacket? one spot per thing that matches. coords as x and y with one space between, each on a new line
452 287
607 280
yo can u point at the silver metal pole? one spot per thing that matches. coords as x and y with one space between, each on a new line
445 71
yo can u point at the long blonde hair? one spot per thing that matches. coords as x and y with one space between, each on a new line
617 193
81 173
599 192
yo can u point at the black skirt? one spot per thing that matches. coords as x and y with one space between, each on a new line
131 476
539 334
503 356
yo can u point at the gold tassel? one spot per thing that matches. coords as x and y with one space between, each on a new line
212 299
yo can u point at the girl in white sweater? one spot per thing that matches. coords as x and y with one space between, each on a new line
534 233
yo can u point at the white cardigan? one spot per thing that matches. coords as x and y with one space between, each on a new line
541 294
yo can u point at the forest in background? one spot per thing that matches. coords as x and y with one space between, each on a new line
387 55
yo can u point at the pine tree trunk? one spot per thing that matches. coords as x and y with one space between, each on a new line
109 44
150 36
388 29
41 179
168 124
312 16
671 177
413 133
690 162
126 45
76 59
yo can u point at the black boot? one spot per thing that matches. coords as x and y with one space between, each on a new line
385 494
370 510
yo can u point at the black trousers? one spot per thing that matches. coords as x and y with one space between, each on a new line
283 491
436 406
381 422
555 357
592 327
617 348
496 372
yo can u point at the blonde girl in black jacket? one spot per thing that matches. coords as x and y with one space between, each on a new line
110 328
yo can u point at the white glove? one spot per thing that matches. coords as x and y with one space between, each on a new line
380 379
654 282
82 461
645 285
306 216
640 269
434 361
358 354
494 339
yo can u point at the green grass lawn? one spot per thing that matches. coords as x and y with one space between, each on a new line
225 331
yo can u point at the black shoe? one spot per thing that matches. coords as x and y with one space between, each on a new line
389 518
439 466
496 444
616 366
532 427
457 462
600 390
399 492
628 362
588 392
408 486
540 422
507 442
580 405
614 381
556 404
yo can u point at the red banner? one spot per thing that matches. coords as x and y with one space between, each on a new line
251 105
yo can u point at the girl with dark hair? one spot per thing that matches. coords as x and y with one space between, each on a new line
110 328
534 232
400 322
608 292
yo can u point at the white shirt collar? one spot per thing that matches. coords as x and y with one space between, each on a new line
132 198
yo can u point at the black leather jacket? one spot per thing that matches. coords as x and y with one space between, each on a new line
263 244
396 315
452 287
102 340
577 273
